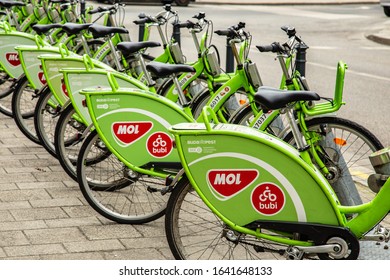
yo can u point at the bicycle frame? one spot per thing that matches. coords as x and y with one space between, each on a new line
200 65
127 129
226 175
93 76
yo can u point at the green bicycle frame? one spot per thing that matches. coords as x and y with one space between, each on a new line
230 165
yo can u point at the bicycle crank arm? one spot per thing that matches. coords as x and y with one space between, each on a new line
297 252
381 234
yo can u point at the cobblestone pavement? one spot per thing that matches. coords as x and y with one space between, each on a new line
43 214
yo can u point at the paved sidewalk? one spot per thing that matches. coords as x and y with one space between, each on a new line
43 214
285 2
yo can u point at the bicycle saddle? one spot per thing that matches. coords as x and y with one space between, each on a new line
128 48
59 1
43 28
101 30
272 98
9 4
74 28
162 69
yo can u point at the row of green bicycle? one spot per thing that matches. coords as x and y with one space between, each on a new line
240 170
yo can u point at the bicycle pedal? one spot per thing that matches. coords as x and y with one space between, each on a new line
152 190
380 234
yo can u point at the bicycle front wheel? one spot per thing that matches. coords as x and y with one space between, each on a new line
344 147
194 232
113 190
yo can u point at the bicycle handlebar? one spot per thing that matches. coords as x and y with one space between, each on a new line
274 47
188 24
233 31
101 10
227 33
143 20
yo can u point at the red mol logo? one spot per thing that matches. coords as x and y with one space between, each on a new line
13 59
64 89
268 199
42 78
159 144
129 132
229 182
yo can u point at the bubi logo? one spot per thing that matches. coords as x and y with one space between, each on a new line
13 58
229 182
159 144
268 199
129 132
42 78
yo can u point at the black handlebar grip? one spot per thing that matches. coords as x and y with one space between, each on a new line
222 32
187 24
274 47
141 21
99 10
268 48
227 33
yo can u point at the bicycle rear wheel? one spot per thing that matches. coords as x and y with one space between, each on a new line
344 146
194 232
45 118
229 107
115 191
67 140
6 89
24 100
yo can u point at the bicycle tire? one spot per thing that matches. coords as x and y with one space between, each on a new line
355 143
202 99
6 89
45 119
67 141
113 193
194 232
24 100
244 116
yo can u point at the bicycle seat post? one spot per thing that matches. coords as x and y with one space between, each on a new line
115 54
182 98
149 80
299 139
13 21
235 51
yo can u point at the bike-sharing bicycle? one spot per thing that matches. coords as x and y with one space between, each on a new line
118 134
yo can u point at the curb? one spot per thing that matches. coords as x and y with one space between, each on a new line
379 39
285 2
